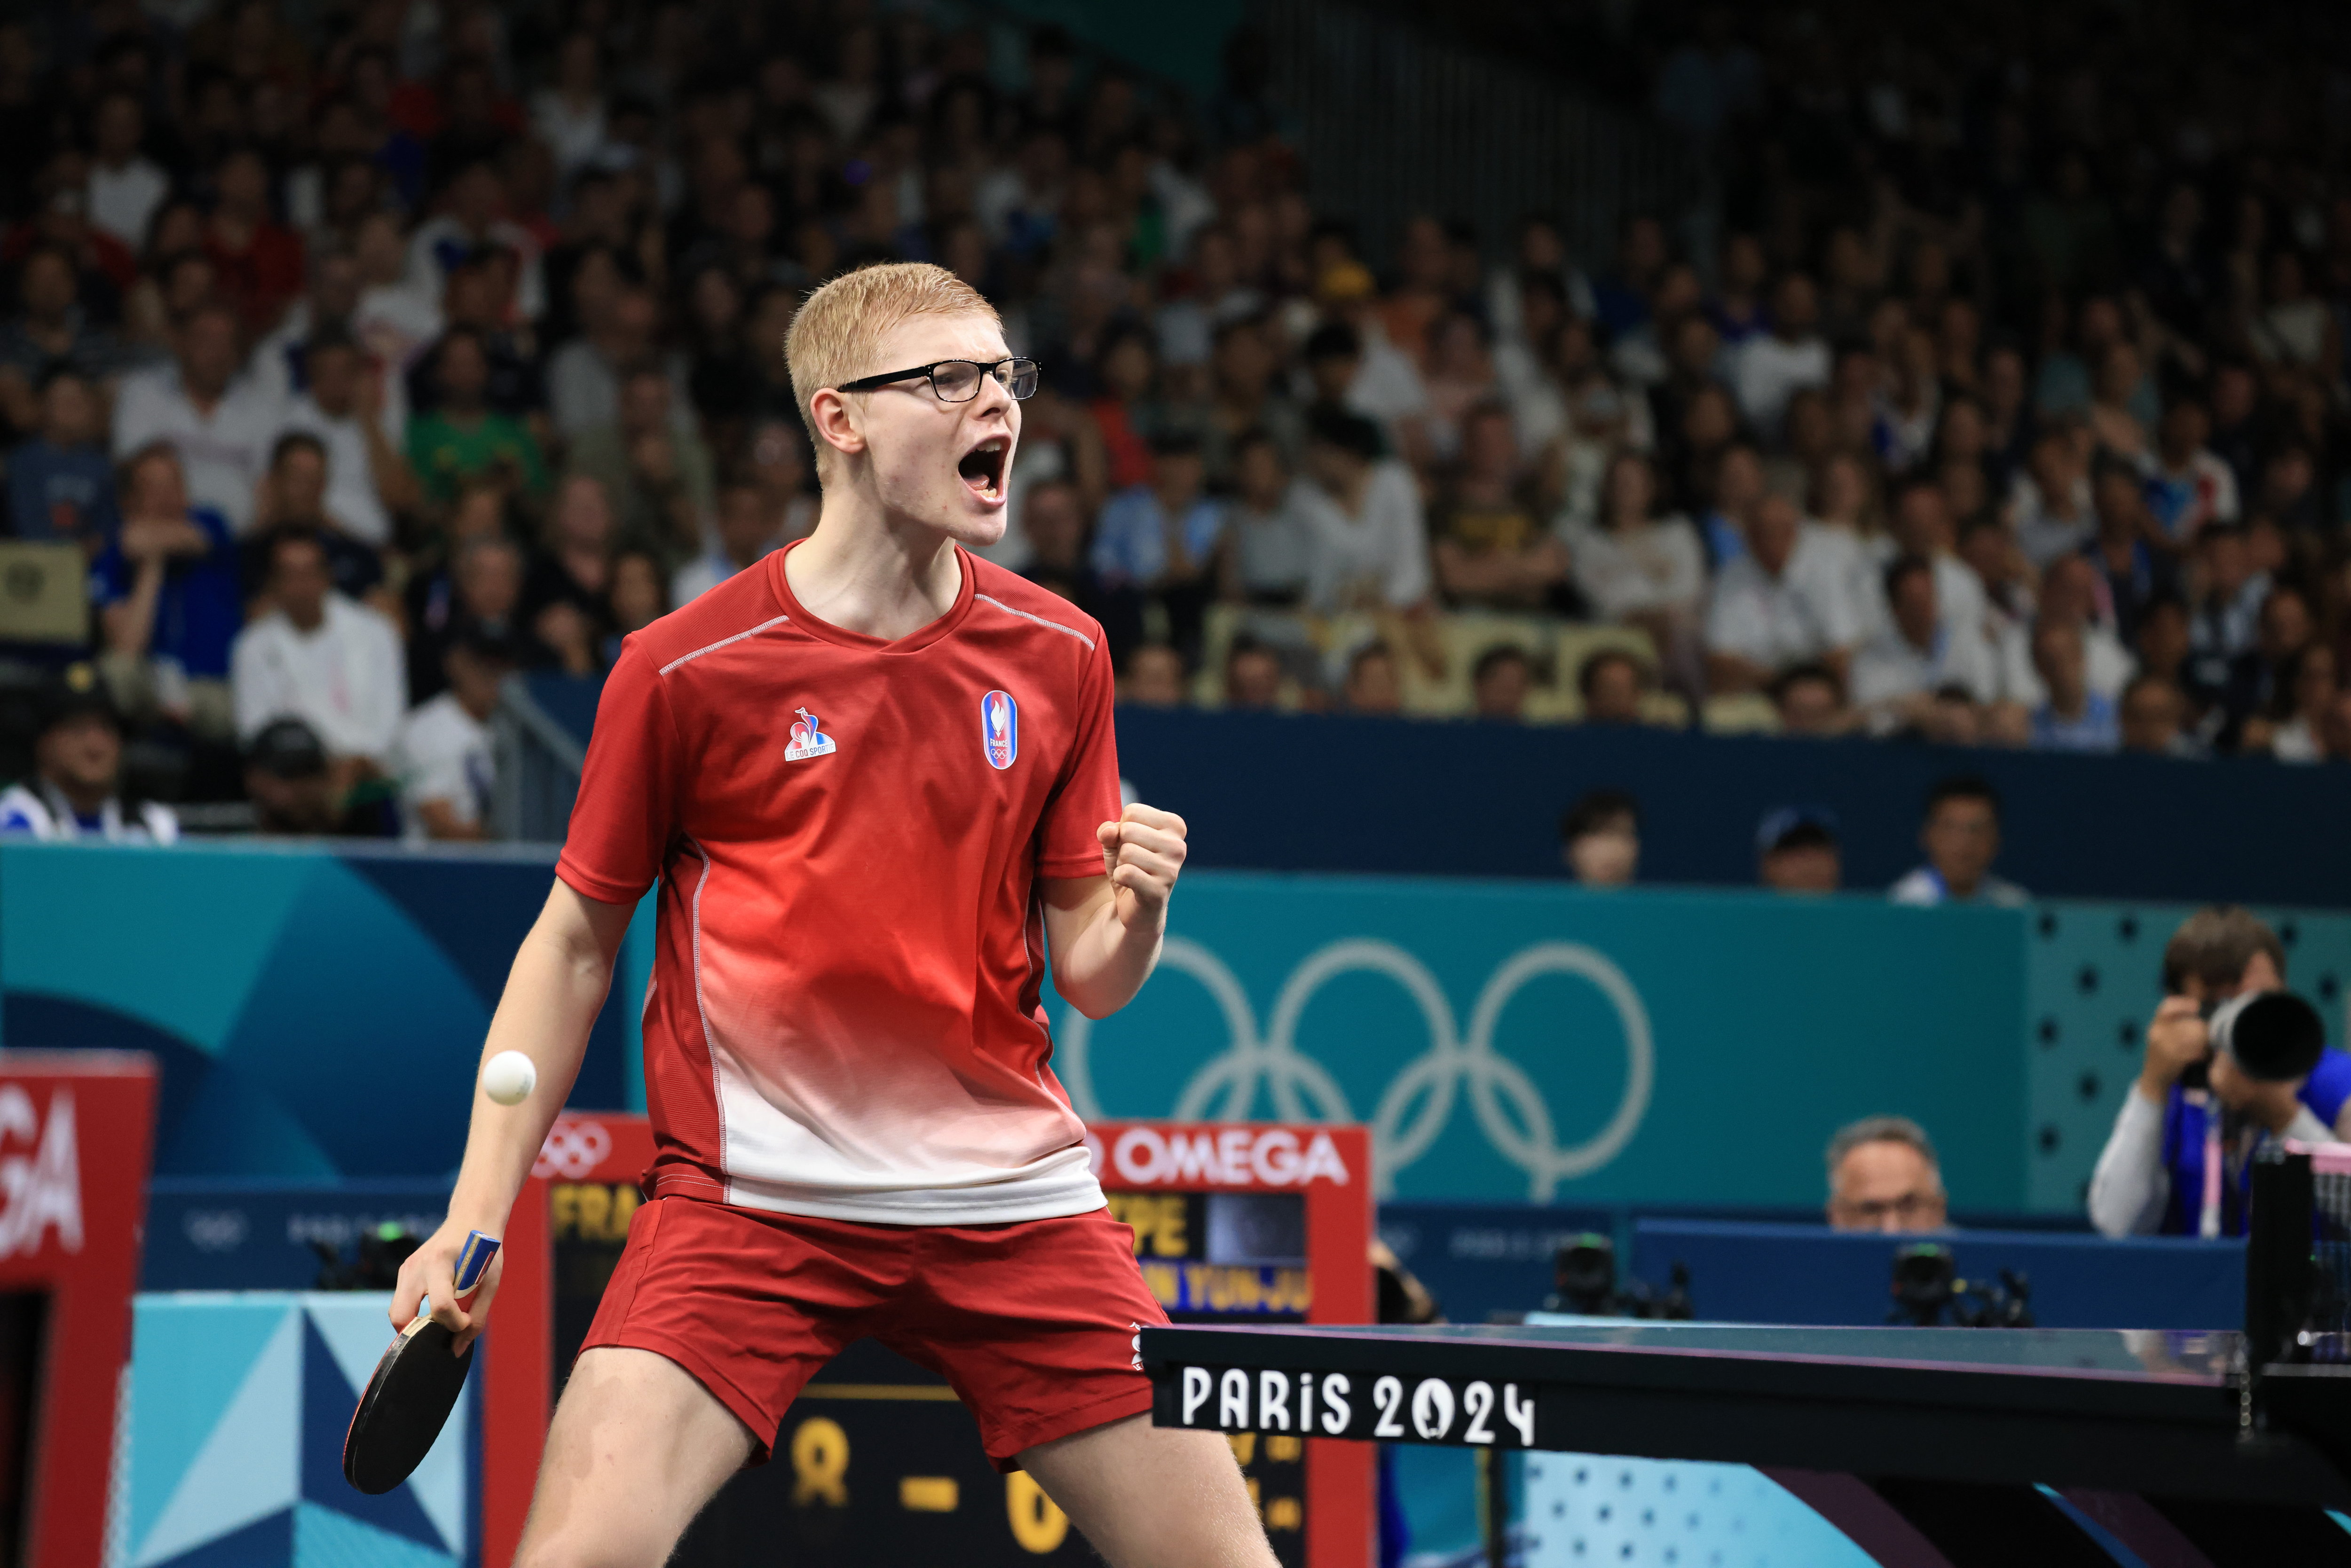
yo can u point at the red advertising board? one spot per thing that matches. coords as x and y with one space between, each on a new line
75 1133
1250 1220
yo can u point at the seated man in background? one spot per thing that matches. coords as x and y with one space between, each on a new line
321 658
1780 602
1499 683
1600 838
1252 675
1810 700
2075 718
76 789
1796 850
2153 1175
1155 677
165 589
61 483
1961 838
1883 1175
1374 683
446 766
747 532
1612 684
296 794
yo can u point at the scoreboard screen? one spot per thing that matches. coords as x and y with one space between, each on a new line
878 1464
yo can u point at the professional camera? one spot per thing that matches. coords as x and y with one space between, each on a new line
1929 1293
1583 1282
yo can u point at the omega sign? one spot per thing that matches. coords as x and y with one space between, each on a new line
1232 1157
40 1174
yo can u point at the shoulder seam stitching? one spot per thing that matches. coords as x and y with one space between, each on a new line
688 658
1025 615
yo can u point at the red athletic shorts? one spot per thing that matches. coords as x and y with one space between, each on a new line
1034 1324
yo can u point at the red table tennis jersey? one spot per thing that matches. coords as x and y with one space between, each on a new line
844 1018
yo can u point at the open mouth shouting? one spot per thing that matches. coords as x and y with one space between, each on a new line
983 468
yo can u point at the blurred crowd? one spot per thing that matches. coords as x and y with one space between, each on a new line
368 352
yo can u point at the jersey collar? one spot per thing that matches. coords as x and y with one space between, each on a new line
826 632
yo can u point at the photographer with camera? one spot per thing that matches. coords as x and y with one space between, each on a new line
2232 1059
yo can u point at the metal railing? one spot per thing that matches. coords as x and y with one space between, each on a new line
1393 124
537 763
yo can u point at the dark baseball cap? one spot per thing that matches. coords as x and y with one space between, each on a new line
1795 827
78 693
287 748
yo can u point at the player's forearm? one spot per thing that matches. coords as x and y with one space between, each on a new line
1101 970
553 993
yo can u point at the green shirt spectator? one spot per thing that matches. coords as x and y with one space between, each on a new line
463 437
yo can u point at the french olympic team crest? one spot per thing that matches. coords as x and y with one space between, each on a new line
999 728
808 740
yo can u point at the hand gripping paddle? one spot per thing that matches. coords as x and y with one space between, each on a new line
414 1387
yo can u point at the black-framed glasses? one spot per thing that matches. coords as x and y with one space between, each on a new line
957 381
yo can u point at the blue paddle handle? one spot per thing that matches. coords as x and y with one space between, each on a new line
474 1261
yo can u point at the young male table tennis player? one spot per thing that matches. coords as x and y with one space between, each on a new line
876 780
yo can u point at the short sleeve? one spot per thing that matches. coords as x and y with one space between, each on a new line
1087 796
626 812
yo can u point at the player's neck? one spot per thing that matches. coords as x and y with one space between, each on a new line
865 574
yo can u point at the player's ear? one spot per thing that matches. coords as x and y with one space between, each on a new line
839 422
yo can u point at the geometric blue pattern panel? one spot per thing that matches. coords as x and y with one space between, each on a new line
1589 1508
238 1404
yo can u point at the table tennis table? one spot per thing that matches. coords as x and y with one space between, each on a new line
1929 1448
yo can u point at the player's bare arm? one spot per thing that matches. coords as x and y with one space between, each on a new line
553 993
1107 930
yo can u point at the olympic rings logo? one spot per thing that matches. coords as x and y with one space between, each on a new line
1417 1103
572 1150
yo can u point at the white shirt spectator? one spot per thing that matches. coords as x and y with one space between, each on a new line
1925 886
1660 565
2106 665
441 242
122 200
41 810
574 136
352 498
1387 387
276 358
444 754
1890 666
224 454
1381 556
1766 371
2043 532
345 678
1804 612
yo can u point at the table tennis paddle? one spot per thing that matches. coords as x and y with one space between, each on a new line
414 1387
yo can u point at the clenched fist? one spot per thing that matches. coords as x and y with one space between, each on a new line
1142 852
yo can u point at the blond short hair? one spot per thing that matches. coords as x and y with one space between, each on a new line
833 333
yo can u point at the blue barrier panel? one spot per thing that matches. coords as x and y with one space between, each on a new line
207 1233
317 1011
238 1404
1304 792
1807 1274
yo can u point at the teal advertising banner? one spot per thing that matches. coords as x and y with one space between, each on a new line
1534 1042
318 1011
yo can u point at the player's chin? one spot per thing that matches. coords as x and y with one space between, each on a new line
976 524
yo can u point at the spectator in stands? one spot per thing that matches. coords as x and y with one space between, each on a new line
76 789
60 483
53 333
1779 603
2125 551
294 794
463 437
1918 653
293 499
1252 675
1884 1175
219 422
1499 682
1053 518
1266 550
165 589
367 479
1490 549
1640 568
2074 717
1796 850
1154 677
322 658
2049 507
1363 515
1372 684
2190 487
443 757
1770 367
1810 700
1600 838
2154 716
1614 684
257 259
2154 1173
1961 838
655 471
746 533
1157 541
126 186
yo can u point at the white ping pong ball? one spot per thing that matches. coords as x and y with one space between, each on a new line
509 1077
